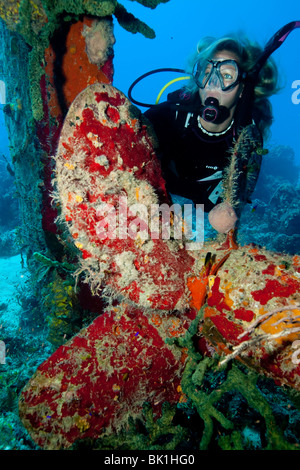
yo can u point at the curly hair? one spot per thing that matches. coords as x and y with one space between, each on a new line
247 53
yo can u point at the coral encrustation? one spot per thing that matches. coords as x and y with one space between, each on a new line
249 297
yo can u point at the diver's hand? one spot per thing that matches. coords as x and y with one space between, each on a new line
222 217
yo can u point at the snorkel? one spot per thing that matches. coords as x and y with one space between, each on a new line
245 114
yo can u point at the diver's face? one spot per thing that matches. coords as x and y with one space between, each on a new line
213 88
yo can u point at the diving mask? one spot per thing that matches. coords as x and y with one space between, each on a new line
214 74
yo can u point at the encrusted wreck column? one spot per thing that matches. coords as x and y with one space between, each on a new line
25 155
51 52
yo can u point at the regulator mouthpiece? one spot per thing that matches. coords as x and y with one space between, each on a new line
212 112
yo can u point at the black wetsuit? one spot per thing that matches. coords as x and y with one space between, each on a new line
193 162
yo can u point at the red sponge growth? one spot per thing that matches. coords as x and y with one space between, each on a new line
101 377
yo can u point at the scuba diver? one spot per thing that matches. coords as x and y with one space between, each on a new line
199 125
224 111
